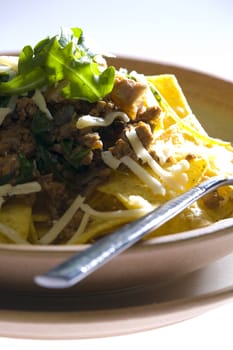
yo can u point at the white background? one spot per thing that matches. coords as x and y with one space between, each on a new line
197 34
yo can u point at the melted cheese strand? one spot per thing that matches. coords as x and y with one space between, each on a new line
89 120
110 160
132 213
30 187
144 155
62 222
154 184
39 100
80 230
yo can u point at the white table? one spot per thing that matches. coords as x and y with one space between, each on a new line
196 34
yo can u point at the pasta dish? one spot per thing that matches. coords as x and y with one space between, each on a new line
86 147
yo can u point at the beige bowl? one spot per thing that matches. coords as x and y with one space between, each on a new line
158 259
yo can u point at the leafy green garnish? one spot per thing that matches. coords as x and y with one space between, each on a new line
72 156
63 58
26 169
40 127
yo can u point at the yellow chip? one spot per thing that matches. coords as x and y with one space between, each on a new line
170 89
17 216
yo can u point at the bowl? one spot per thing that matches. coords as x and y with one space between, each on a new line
160 259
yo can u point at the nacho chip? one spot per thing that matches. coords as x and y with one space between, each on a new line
170 89
17 216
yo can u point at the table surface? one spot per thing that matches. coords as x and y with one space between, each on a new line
195 34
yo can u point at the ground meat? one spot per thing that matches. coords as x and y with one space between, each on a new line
102 108
144 133
8 165
16 139
92 141
25 108
149 115
59 197
121 149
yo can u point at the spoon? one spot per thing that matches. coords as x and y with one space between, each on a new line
82 264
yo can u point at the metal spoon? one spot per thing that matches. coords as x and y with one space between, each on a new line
82 264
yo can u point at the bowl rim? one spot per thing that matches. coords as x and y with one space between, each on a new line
219 228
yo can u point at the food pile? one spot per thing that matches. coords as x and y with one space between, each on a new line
86 147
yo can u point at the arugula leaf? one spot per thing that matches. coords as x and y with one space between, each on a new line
22 83
63 58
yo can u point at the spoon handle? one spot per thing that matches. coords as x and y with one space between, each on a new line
82 264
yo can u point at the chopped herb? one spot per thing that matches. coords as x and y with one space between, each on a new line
26 169
72 156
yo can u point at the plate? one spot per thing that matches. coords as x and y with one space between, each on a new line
120 312
158 259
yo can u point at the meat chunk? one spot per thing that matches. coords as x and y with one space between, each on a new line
127 94
92 140
144 133
121 149
150 115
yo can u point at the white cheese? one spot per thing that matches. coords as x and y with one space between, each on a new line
30 187
39 100
81 229
110 160
131 213
5 189
92 121
26 188
143 154
11 62
144 176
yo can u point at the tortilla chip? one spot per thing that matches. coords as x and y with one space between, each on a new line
16 215
170 89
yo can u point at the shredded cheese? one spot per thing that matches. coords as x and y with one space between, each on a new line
89 120
30 187
10 62
80 229
115 213
155 185
39 100
110 160
143 154
26 188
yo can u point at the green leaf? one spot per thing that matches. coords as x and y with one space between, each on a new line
23 83
73 157
63 58
40 127
26 169
26 64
